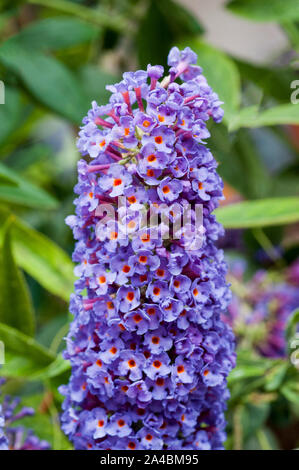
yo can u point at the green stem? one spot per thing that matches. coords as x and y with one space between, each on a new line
266 244
96 16
58 338
263 440
237 425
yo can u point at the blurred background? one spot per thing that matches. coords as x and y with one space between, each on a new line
58 55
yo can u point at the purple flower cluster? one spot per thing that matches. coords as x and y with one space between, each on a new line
14 436
149 351
264 303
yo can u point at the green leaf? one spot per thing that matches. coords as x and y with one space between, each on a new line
278 115
16 307
16 190
154 37
265 10
47 79
248 367
291 392
274 82
40 257
99 16
57 367
253 417
164 23
12 114
181 21
24 157
56 33
275 376
18 365
264 439
239 155
94 81
244 372
259 213
221 73
23 347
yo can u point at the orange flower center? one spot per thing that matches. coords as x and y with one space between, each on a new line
160 382
132 363
132 199
132 445
130 296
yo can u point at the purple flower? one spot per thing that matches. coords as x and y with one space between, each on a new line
16 436
95 425
169 189
161 137
180 284
157 341
157 290
145 261
272 302
119 425
157 366
150 439
139 390
138 321
171 308
182 371
152 159
131 363
115 181
155 71
128 298
148 349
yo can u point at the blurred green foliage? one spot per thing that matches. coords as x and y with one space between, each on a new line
55 57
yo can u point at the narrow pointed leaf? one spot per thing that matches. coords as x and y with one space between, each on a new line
265 10
57 32
277 115
22 345
16 307
40 257
47 79
259 213
16 190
